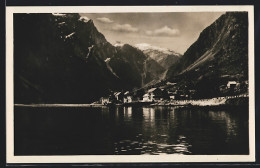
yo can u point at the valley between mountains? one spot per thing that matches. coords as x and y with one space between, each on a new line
63 58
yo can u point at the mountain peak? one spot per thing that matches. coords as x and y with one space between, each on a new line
143 46
146 46
165 57
85 19
59 14
119 44
90 21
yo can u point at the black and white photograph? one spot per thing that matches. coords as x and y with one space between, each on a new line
124 84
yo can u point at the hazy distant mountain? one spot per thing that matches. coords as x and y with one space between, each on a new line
62 58
165 57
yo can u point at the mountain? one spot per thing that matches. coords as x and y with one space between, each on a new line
219 54
223 44
57 60
133 65
165 57
63 58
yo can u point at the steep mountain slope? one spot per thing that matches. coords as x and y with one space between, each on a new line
62 58
219 55
53 60
165 57
129 60
223 45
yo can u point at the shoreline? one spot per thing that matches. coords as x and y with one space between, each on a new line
59 105
214 102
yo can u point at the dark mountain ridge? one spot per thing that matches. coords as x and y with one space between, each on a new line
64 59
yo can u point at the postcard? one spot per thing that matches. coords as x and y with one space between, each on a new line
130 84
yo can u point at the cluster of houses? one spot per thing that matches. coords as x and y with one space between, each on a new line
152 95
156 94
117 97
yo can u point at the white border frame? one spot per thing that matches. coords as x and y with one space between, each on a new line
10 158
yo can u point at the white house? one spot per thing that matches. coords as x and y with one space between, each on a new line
147 97
172 97
127 97
153 94
104 100
231 84
118 96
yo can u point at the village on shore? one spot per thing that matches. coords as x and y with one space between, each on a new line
165 96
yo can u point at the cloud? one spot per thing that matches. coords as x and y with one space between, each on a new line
105 20
164 31
124 28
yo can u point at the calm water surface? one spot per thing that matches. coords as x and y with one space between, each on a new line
129 130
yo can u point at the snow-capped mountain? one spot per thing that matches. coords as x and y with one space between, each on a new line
119 44
164 56
146 46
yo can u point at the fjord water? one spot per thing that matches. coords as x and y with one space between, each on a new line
130 130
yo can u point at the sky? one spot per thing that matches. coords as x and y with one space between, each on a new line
174 30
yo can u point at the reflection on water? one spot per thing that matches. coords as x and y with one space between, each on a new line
140 146
128 112
130 130
157 142
148 114
230 123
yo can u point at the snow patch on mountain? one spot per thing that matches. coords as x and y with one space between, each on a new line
119 44
58 14
84 19
107 60
145 47
89 50
61 23
110 68
69 35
